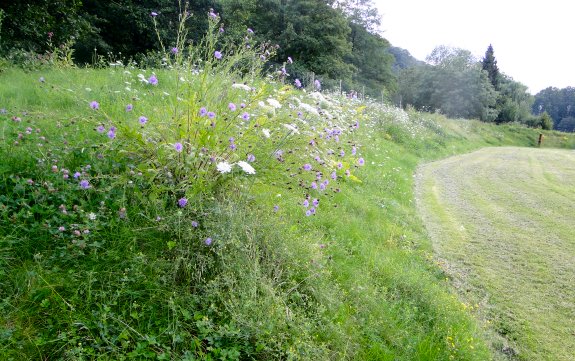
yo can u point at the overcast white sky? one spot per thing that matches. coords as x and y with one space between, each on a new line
533 41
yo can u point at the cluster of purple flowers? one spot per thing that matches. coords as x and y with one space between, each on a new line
204 112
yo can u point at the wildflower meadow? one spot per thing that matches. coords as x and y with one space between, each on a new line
215 208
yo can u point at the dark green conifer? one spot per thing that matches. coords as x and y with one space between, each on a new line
490 65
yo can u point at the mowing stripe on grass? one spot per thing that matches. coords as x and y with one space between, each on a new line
502 220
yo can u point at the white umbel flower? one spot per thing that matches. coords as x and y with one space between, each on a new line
224 167
292 128
241 86
246 167
274 103
308 108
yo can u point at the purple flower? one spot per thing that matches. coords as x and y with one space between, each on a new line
217 55
322 186
333 175
276 208
129 107
182 202
212 14
208 241
250 31
211 115
315 202
353 150
84 184
284 71
242 105
77 175
297 83
356 124
308 213
94 105
307 166
203 112
313 185
246 116
251 158
143 120
111 134
347 172
361 161
317 84
100 128
174 50
290 60
305 203
232 107
153 80
339 165
154 14
194 224
61 228
341 153
178 147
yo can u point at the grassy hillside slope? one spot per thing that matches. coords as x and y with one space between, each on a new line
101 257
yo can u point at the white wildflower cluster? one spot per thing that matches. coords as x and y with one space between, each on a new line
225 167
241 86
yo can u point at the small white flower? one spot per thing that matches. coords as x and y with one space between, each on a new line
88 89
92 216
308 108
246 167
241 86
142 78
266 132
292 128
224 167
274 103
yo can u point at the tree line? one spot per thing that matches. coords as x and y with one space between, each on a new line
336 41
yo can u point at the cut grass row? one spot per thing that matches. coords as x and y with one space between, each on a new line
502 220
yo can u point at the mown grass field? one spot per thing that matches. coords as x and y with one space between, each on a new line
502 221
121 267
